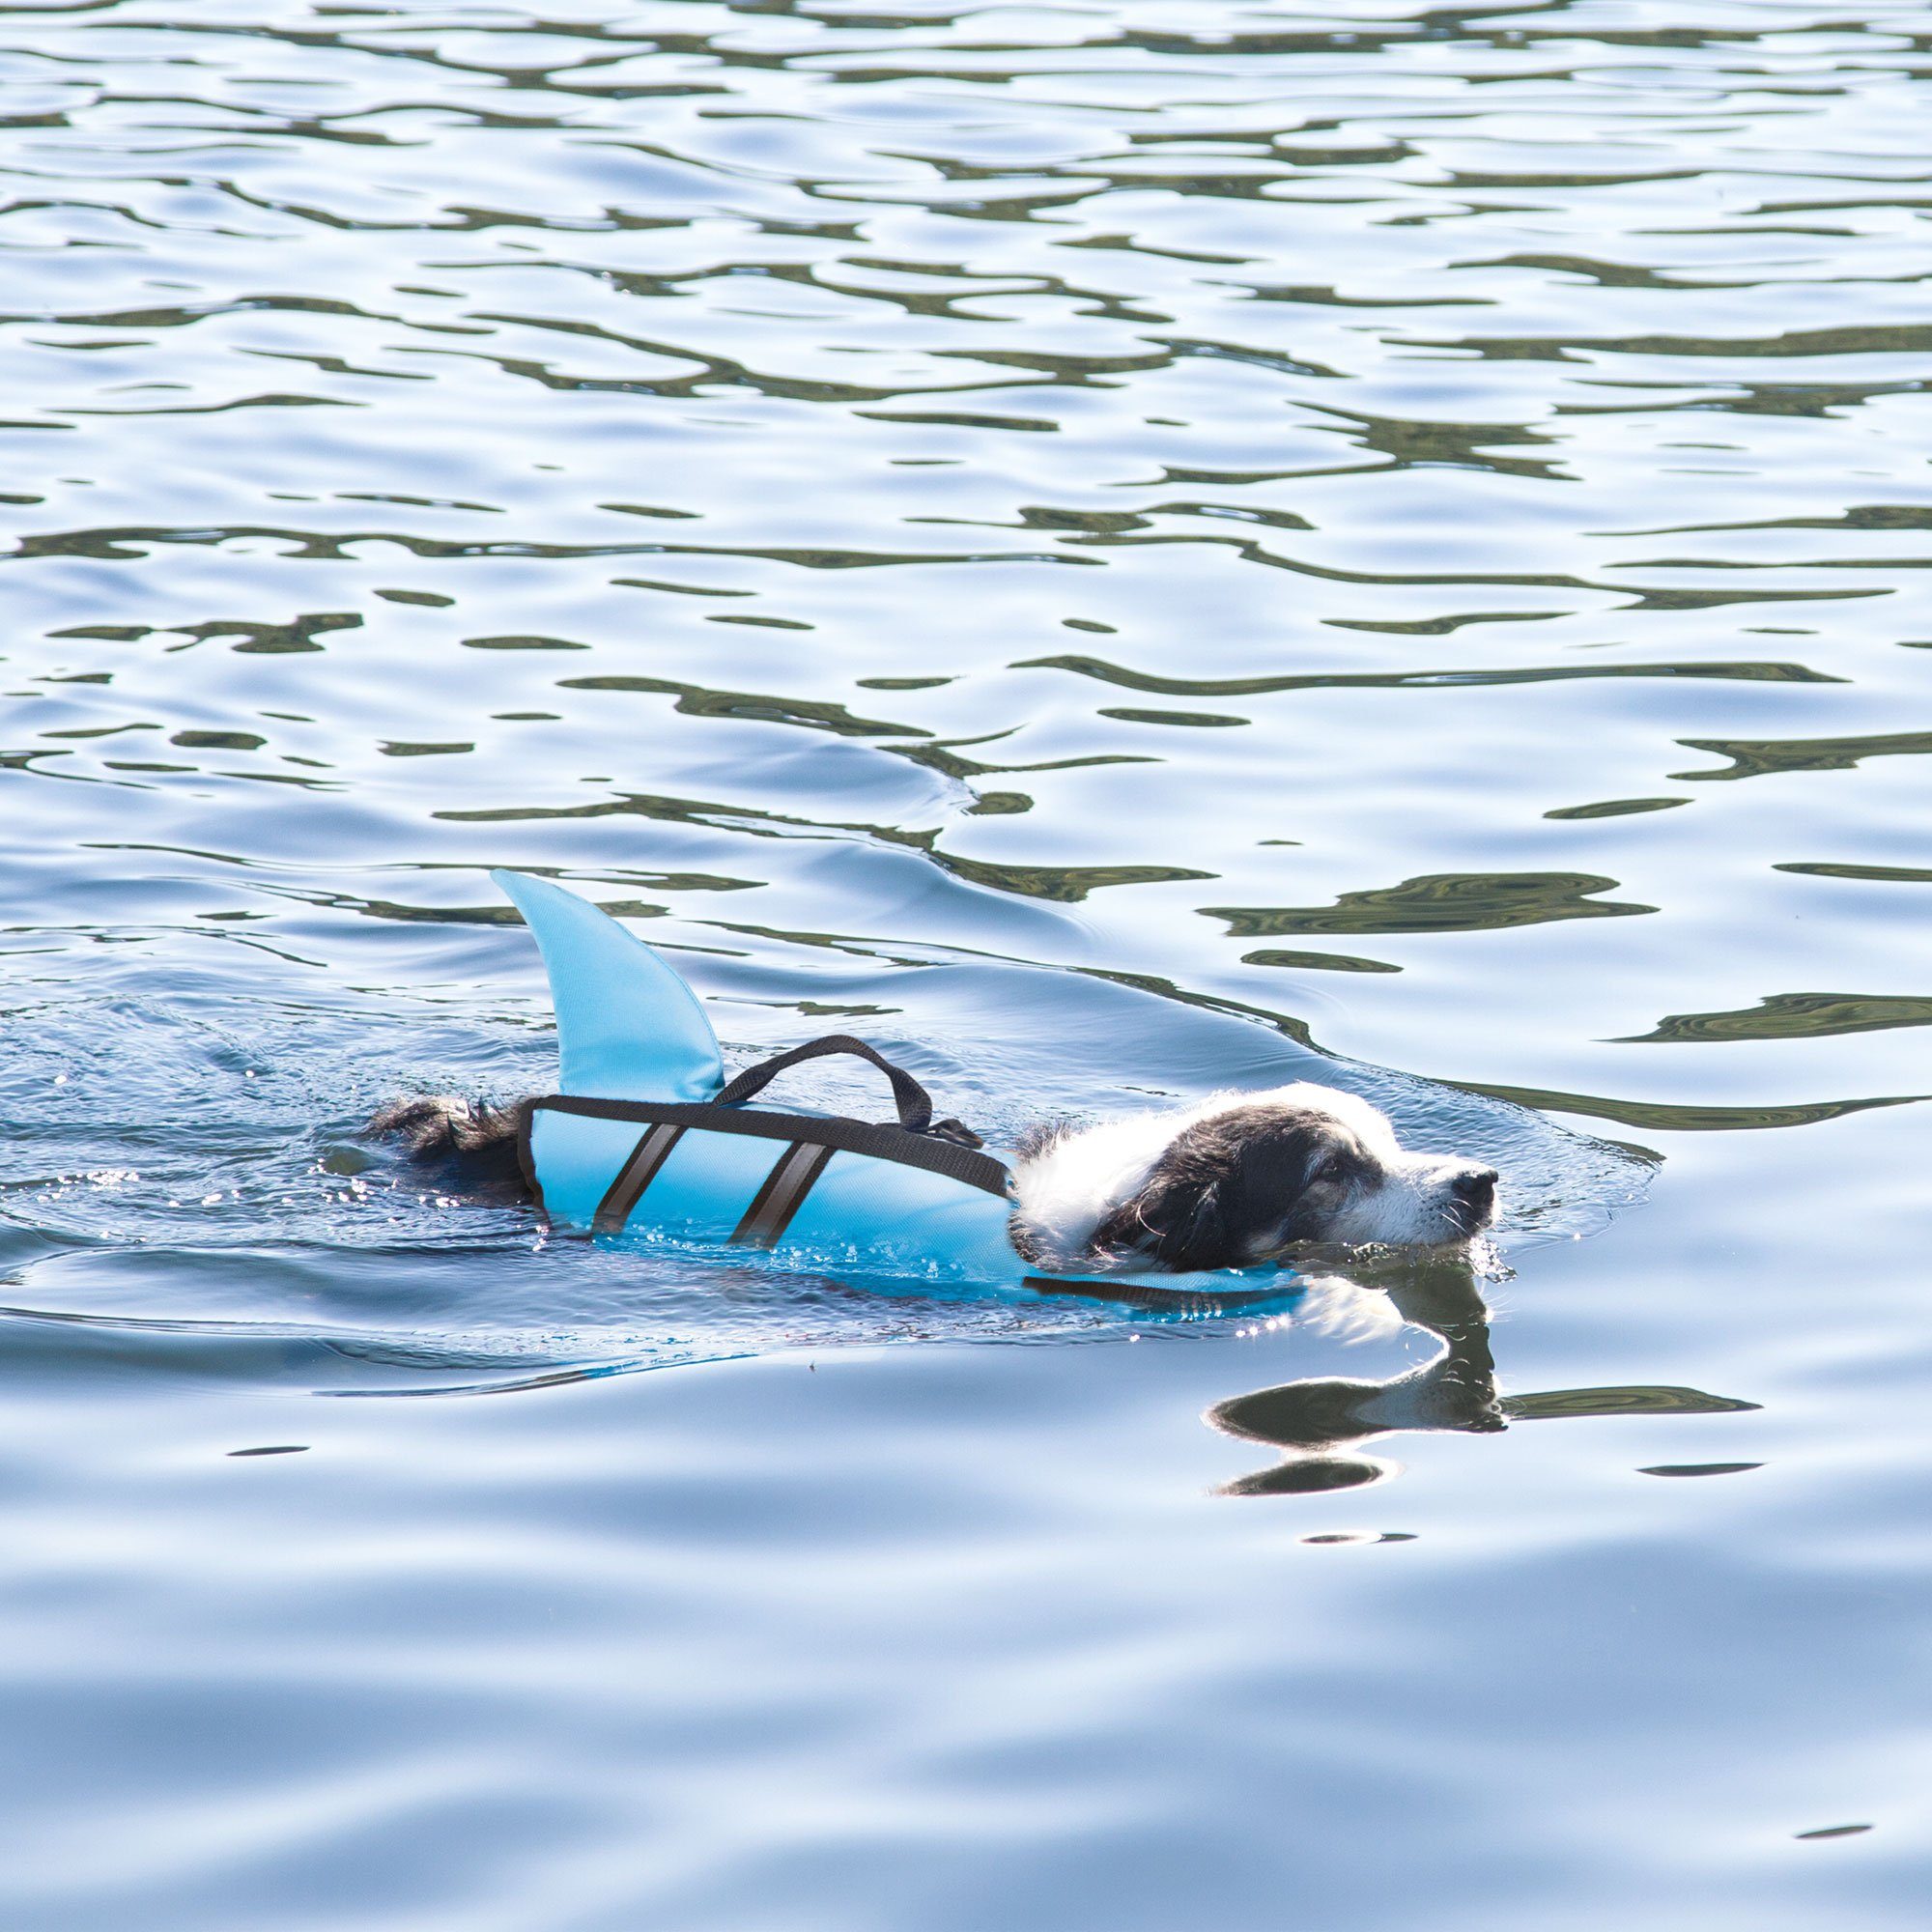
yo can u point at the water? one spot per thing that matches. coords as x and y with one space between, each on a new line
1115 550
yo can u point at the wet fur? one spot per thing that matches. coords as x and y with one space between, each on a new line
472 1142
1236 1181
1232 1181
1227 1189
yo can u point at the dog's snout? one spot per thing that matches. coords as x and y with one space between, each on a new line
1477 1185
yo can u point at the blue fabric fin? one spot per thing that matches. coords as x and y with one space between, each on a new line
628 1028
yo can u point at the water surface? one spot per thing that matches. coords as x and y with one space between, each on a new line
1115 550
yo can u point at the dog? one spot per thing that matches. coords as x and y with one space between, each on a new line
1236 1181
1232 1181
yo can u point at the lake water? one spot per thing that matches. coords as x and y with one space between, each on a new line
1115 550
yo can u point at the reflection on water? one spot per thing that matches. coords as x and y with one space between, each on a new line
1117 549
1320 1422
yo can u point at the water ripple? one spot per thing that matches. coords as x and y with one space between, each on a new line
1118 551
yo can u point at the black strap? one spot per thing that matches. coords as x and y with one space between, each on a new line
639 1170
882 1142
782 1196
913 1102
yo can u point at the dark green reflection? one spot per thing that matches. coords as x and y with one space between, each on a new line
1317 963
1615 808
1129 716
1629 1399
217 741
248 634
1440 902
1669 1117
1876 339
1895 875
1748 670
697 702
1066 884
1761 758
1794 1017
1699 1468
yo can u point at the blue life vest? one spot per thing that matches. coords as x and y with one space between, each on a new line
647 1139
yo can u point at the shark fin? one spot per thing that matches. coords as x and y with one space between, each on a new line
628 1028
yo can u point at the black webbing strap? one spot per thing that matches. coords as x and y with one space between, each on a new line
783 1191
881 1142
913 1102
639 1170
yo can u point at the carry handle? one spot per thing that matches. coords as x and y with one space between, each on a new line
913 1102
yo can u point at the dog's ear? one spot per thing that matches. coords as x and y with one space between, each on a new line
1228 1189
1178 1220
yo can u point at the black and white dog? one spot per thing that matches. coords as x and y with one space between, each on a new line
1237 1180
1230 1182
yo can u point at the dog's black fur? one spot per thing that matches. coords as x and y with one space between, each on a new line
470 1144
1235 1187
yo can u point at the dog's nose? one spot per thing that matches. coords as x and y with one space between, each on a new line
1477 1185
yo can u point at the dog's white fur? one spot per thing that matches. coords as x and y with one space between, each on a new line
1066 1188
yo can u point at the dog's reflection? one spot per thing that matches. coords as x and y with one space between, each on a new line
1321 1423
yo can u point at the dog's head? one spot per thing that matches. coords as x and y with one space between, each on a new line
1243 1182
